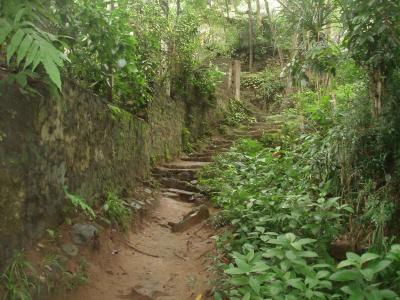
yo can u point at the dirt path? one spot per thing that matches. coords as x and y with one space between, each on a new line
168 257
176 269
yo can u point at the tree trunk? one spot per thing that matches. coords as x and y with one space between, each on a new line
251 50
227 9
274 35
258 14
178 7
376 91
165 8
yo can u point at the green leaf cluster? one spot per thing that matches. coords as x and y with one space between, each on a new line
26 44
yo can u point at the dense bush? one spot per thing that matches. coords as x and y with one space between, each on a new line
284 218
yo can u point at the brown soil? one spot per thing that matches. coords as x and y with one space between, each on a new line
168 266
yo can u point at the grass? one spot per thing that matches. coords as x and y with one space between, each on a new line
19 279
116 211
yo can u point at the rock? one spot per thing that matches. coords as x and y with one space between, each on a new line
135 205
339 248
178 184
194 217
83 233
198 198
171 195
70 249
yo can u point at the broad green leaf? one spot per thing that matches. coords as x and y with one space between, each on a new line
388 294
300 243
239 280
238 255
296 283
14 44
242 265
255 284
247 296
368 274
353 256
23 48
235 271
346 275
308 254
291 255
322 274
290 236
250 255
52 71
380 266
33 52
346 263
259 267
368 257
6 28
19 15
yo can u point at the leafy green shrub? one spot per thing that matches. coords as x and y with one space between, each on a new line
120 61
360 277
266 85
237 113
27 44
283 219
116 210
79 204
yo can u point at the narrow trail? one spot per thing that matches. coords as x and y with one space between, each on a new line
168 257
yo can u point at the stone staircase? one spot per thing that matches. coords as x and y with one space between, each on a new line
178 179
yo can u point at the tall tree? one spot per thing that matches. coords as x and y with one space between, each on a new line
258 13
373 31
274 33
251 32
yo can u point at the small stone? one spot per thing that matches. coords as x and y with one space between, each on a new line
70 249
83 233
196 216
135 205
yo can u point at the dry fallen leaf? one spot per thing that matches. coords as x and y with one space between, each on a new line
199 297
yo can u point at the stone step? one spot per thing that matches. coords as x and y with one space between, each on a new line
219 142
171 195
248 136
247 132
199 154
181 164
168 182
182 195
181 174
217 148
197 158
213 152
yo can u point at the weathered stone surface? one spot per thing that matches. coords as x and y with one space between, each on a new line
194 217
70 249
171 195
83 233
79 142
179 184
186 165
181 174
